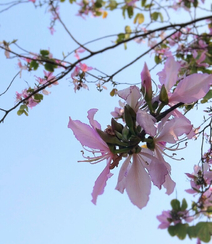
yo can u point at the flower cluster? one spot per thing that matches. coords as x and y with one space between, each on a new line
147 128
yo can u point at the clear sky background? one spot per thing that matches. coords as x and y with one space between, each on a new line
45 195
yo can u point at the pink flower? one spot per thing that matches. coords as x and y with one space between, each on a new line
199 178
84 67
88 137
52 30
79 50
132 96
33 1
173 216
190 89
163 218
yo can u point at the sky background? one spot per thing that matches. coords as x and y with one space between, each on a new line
45 195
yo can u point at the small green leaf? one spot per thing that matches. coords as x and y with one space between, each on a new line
154 16
98 4
44 53
175 204
139 18
50 67
130 11
143 2
34 65
157 59
121 37
113 92
161 16
149 5
128 29
112 5
25 113
38 97
24 107
184 205
195 3
20 112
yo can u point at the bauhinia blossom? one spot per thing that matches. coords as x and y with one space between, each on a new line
190 89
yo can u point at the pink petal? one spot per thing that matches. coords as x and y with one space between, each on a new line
121 184
192 88
138 184
147 122
100 183
169 75
86 135
131 95
95 124
169 184
158 172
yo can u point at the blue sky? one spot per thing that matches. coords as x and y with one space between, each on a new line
45 195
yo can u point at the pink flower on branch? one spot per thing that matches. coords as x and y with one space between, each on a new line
189 90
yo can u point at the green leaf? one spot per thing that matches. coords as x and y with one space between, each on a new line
130 11
128 29
25 113
121 37
154 16
97 13
23 107
20 112
143 2
62 1
113 92
204 231
175 204
157 59
179 230
161 16
195 3
50 67
112 5
209 209
71 1
139 18
149 5
44 53
184 205
38 97
191 231
98 4
34 65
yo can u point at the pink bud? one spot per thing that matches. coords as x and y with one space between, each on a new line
146 83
